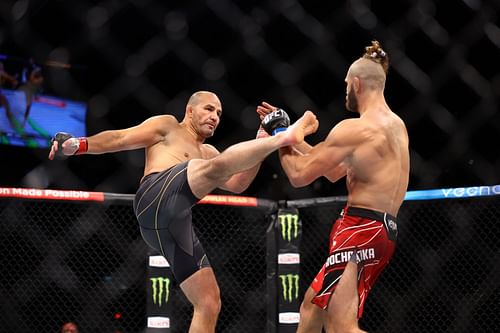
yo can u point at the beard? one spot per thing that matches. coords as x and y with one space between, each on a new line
351 103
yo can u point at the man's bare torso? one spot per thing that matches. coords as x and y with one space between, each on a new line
177 145
378 169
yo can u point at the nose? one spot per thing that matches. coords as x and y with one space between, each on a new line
214 117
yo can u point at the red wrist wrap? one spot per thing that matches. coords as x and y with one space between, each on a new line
84 146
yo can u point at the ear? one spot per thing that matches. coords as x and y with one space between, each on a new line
189 111
356 84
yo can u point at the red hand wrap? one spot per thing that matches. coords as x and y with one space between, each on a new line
84 146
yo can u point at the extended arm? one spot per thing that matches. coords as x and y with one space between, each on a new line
149 132
328 158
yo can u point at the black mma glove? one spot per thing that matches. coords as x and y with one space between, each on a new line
276 121
76 146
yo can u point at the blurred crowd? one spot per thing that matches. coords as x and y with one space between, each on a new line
28 80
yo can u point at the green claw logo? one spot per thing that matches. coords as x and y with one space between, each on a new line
290 286
289 226
160 287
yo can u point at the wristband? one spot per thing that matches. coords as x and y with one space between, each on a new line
279 129
83 146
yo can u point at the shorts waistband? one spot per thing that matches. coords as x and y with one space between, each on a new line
368 213
149 175
153 174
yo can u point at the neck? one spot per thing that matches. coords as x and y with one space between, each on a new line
372 100
189 128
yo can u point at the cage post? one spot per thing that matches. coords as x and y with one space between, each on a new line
283 278
159 287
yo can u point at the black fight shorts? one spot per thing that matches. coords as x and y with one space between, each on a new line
162 206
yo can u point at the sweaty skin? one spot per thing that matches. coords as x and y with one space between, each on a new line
372 151
167 227
166 141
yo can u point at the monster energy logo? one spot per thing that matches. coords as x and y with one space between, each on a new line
289 226
160 287
290 286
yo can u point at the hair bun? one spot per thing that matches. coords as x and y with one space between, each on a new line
377 54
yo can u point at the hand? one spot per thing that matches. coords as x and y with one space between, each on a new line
312 124
264 109
64 144
275 122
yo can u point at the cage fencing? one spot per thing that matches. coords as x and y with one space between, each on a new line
85 261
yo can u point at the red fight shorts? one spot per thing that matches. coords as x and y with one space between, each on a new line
372 236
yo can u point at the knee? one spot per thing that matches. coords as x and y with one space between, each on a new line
210 305
216 168
307 307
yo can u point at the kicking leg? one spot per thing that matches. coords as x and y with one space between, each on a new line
206 175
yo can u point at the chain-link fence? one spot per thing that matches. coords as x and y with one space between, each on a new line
70 261
132 59
86 262
444 276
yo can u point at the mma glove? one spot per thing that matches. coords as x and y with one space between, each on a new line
276 121
76 146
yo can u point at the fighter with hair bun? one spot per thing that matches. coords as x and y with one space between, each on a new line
372 152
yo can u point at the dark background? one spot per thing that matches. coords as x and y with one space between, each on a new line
134 59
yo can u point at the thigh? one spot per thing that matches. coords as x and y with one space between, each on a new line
203 177
163 197
180 246
344 302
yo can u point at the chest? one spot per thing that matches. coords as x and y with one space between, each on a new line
185 147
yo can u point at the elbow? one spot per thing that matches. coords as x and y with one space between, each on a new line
298 183
237 187
239 190
296 180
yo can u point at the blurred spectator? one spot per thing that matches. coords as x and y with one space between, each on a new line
6 78
26 69
32 86
69 327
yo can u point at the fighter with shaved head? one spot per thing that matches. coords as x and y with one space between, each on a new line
180 169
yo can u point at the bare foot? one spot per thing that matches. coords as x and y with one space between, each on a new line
305 125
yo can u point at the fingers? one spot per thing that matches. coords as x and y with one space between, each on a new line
309 111
269 106
312 123
261 113
53 150
265 109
